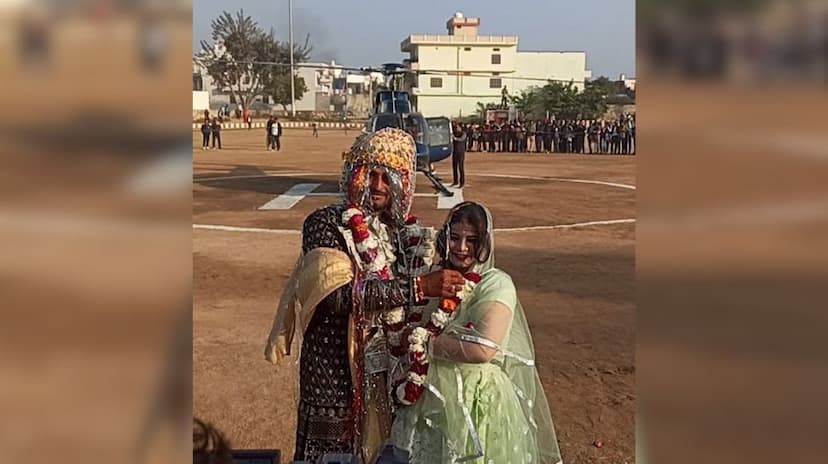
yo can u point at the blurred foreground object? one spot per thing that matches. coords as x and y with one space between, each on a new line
731 247
94 231
752 41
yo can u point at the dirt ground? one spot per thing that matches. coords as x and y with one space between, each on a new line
576 284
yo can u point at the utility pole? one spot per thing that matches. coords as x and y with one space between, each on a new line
292 84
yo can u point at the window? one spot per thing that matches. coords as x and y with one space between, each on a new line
495 74
198 82
496 49
496 58
495 83
467 49
436 82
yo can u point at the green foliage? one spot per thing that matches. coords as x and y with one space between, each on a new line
564 101
245 68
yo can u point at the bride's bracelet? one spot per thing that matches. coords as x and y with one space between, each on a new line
418 288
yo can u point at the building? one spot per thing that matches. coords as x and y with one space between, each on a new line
326 83
451 73
626 84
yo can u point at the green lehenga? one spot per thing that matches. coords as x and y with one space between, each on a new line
481 412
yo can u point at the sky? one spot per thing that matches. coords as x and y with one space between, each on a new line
368 32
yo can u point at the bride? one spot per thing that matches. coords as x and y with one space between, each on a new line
480 399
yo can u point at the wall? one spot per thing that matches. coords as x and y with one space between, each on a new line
616 111
550 65
307 102
451 106
455 58
460 94
201 100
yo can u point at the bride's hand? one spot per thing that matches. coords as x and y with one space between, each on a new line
444 283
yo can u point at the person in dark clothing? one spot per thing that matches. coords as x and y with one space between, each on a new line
269 128
215 128
276 132
458 158
539 131
615 139
580 133
550 133
205 135
594 138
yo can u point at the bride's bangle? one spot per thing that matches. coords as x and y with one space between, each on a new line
418 288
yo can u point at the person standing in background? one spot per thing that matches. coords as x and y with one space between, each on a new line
215 128
276 133
269 128
205 134
458 157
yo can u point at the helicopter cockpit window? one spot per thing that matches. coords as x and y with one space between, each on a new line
439 132
415 127
398 105
387 120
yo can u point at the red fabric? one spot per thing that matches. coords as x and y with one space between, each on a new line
412 392
473 277
419 368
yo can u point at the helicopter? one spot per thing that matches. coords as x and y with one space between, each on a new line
432 135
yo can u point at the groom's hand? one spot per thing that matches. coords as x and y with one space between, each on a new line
443 283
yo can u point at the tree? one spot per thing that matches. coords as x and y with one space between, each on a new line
248 62
564 101
602 84
278 82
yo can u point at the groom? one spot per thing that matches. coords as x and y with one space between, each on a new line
339 292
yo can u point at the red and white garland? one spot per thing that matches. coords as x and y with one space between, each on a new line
377 255
411 388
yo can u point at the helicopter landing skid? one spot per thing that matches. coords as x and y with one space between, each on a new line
437 184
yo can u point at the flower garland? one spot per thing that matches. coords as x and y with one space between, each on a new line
376 263
411 388
367 244
420 250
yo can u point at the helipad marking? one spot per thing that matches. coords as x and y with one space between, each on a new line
444 202
289 199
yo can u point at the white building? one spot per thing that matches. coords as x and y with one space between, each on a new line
627 82
452 73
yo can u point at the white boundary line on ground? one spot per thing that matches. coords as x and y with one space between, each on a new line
246 229
513 229
567 226
484 174
558 179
